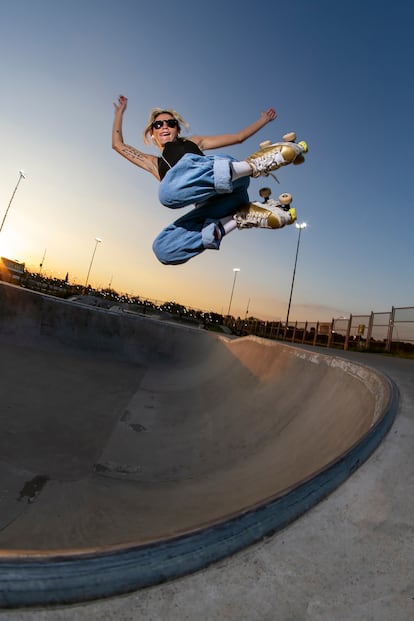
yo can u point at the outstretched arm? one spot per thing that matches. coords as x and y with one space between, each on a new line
225 140
143 160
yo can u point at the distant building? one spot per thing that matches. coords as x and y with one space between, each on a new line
11 271
324 327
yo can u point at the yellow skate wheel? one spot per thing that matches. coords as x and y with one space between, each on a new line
304 146
285 199
290 137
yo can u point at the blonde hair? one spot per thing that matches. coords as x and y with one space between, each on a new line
153 115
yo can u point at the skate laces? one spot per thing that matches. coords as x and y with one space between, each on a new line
264 163
258 215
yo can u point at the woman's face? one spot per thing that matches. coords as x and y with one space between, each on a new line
164 129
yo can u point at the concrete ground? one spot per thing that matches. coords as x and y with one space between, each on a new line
351 558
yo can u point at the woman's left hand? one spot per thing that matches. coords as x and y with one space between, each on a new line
269 115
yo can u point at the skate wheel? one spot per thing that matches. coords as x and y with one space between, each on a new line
285 199
265 144
265 192
299 160
290 137
304 146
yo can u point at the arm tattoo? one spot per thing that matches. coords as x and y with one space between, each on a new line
132 153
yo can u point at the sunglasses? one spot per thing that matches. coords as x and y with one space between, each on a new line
169 122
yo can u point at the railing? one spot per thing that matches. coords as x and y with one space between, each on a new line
390 332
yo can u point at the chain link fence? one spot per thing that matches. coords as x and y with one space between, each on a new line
389 332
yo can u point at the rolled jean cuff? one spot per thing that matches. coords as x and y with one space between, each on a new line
208 235
222 175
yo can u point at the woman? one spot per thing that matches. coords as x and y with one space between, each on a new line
216 185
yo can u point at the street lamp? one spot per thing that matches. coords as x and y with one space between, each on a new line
236 270
98 240
42 261
300 226
21 176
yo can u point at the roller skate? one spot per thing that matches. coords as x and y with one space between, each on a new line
270 215
273 156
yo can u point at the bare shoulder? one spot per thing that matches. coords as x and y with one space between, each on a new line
198 140
215 142
204 142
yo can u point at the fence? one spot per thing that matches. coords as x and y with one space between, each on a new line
390 332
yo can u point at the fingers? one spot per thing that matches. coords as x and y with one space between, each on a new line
271 113
122 100
121 103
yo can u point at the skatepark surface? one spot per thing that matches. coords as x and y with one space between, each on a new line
123 432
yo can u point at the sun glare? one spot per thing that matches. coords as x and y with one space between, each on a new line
10 246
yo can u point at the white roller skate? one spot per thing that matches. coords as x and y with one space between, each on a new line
270 215
273 156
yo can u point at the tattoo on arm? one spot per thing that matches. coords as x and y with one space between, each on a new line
143 160
132 153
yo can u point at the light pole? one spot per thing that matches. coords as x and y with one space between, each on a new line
300 226
236 270
42 261
21 176
247 309
98 240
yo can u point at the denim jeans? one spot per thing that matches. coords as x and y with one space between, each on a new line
205 182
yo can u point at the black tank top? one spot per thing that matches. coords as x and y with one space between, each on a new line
173 152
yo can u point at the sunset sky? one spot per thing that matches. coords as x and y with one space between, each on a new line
339 75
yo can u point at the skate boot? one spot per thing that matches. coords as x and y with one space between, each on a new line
273 156
271 215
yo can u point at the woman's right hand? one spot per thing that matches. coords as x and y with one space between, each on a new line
121 105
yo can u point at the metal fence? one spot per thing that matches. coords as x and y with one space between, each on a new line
391 332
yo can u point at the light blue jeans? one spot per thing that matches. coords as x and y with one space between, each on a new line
205 182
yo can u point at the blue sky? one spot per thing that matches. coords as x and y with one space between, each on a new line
339 75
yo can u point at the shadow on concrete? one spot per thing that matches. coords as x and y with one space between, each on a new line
133 452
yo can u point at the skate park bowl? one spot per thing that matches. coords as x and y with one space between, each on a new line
134 450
